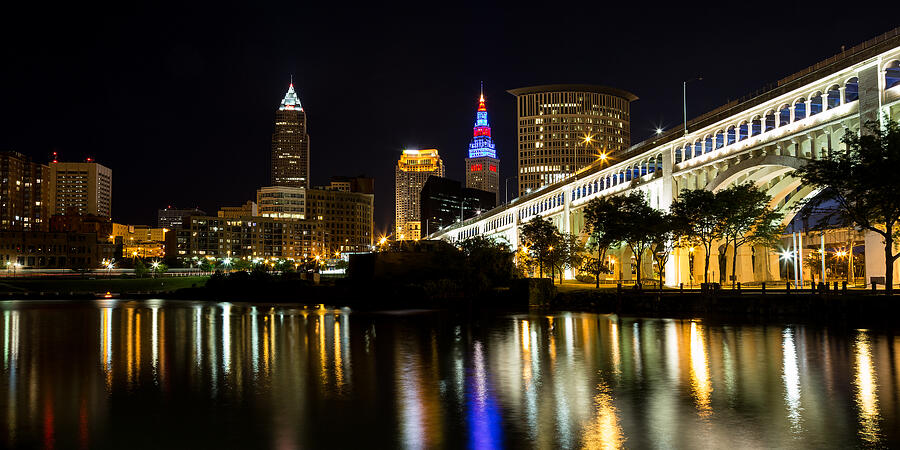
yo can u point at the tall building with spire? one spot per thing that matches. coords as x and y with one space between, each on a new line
290 143
482 164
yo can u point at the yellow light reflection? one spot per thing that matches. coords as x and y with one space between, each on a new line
106 344
338 366
866 386
129 346
791 377
701 387
614 346
525 335
137 347
604 432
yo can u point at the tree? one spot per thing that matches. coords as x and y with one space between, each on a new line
747 218
489 262
595 265
700 221
160 268
540 236
601 220
625 219
207 266
241 265
639 221
862 180
662 240
140 269
567 252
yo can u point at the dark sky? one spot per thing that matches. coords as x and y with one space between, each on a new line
179 101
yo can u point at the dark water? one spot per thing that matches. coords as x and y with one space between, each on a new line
153 374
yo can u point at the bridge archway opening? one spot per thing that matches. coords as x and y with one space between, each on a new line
799 109
815 103
834 96
851 90
756 126
892 74
769 121
784 115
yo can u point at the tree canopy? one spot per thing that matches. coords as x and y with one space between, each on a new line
862 180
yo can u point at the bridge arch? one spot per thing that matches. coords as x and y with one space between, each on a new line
785 195
728 176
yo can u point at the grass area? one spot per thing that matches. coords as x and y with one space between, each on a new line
117 285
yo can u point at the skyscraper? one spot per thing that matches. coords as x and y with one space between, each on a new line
81 188
566 127
482 165
413 169
290 144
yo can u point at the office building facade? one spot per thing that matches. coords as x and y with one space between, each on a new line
80 188
170 217
52 250
249 238
445 202
290 144
281 202
24 193
347 218
563 128
412 171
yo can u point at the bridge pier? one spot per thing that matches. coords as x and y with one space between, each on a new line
874 255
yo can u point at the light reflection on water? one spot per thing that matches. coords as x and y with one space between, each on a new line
192 374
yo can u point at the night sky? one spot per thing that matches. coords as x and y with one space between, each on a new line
179 101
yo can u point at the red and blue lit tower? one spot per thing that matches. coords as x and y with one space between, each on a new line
482 165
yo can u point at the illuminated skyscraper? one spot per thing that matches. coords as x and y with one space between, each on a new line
290 143
413 169
565 127
482 165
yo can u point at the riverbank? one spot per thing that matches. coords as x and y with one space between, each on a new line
69 287
853 305
856 306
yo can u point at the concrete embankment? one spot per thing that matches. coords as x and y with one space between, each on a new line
821 306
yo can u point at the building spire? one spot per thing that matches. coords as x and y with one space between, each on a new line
291 101
481 106
482 144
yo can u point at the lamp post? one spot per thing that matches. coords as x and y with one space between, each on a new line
507 186
684 99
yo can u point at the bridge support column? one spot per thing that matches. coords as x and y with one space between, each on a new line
875 266
744 272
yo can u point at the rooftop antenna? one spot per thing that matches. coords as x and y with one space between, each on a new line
292 79
482 88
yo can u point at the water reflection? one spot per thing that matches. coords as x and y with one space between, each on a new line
865 382
791 377
604 432
251 375
701 385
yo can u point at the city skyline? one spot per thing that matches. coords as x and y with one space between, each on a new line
402 109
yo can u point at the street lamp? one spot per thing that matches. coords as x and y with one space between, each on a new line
507 186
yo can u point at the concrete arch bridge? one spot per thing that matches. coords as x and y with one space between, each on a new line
762 139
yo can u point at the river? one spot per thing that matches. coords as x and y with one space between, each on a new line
179 374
